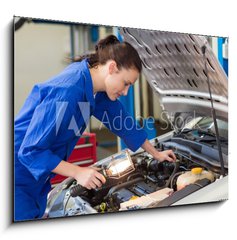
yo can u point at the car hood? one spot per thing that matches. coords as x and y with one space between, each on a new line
174 66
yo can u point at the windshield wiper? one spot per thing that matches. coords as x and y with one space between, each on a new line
206 135
210 139
204 132
199 131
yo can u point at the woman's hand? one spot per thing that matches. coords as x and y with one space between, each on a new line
161 156
89 177
165 155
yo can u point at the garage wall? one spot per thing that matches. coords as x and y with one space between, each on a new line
40 51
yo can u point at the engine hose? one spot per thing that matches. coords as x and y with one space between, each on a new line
77 190
132 176
173 173
122 185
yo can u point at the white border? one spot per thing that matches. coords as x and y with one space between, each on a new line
200 221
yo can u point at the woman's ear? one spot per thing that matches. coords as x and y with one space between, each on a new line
113 67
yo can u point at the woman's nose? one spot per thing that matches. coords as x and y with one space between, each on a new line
125 91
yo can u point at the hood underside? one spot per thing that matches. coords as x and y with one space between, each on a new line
174 66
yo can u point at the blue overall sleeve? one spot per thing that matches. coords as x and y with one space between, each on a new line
114 116
35 152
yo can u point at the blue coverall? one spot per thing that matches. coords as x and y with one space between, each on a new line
48 127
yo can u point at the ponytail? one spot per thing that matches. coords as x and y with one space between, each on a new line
110 48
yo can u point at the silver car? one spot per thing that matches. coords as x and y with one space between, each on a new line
192 88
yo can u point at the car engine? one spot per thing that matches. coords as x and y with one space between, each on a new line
141 181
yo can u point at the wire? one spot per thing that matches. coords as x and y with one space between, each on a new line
173 173
64 210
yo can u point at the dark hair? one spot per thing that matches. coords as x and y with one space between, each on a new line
109 48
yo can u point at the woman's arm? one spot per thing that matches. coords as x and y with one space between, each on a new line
86 176
114 116
161 156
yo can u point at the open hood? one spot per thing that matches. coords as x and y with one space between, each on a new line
174 66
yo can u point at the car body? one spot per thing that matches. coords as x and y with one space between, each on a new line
192 88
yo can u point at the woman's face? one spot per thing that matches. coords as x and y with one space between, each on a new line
118 82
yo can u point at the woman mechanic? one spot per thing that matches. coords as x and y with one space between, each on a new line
53 118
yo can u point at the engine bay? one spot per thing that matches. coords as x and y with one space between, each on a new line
140 182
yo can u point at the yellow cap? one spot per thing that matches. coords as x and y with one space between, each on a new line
197 170
133 197
102 206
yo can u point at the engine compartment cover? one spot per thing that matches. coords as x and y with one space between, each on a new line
174 66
